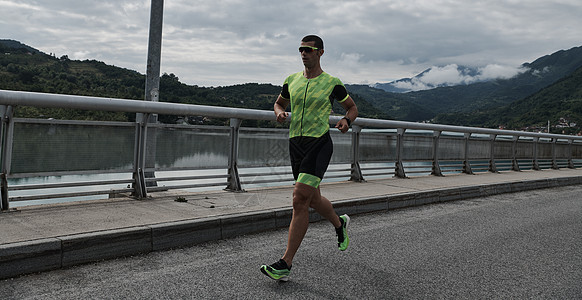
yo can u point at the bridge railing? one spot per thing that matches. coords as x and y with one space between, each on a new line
152 156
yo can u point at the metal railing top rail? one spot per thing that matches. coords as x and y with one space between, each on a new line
16 98
125 105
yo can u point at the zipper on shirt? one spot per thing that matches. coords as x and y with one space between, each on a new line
304 100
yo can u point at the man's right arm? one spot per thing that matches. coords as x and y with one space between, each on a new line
280 107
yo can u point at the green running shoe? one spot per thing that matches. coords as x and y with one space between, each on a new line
277 271
342 233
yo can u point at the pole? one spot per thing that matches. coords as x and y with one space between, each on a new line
152 85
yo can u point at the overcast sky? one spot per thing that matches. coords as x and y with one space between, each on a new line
227 42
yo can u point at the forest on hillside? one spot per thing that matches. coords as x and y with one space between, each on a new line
25 70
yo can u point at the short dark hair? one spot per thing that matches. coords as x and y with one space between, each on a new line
314 38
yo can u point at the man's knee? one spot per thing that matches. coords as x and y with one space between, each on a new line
303 196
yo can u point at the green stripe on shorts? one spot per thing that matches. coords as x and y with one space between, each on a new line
309 179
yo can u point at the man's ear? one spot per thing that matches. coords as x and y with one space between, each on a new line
321 52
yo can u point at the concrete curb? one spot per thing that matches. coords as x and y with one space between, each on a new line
65 251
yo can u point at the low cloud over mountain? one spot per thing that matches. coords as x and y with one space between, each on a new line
451 75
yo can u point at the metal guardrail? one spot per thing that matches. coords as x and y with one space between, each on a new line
545 150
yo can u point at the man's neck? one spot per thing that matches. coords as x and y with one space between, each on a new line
310 73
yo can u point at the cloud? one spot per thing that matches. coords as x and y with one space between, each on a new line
452 74
81 55
237 41
495 71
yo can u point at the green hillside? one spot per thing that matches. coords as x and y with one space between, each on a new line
396 105
484 95
549 90
461 99
559 103
24 68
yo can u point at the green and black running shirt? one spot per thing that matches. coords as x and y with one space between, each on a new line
311 102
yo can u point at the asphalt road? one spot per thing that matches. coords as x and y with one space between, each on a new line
522 245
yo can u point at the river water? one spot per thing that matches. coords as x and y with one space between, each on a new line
46 153
107 153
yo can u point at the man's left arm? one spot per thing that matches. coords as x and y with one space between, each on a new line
351 113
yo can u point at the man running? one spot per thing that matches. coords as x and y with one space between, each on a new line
311 94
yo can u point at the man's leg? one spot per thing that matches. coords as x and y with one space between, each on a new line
324 207
303 195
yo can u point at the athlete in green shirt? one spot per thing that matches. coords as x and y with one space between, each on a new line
311 94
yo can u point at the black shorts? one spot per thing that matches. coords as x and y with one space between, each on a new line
310 158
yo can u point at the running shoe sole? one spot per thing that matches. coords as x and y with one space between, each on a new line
274 276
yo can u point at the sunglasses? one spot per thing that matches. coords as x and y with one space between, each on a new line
307 49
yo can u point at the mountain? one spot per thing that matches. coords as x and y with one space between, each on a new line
449 75
15 46
395 105
492 103
24 68
560 103
427 104
540 73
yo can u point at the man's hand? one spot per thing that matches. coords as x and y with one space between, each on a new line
282 116
342 125
279 109
351 113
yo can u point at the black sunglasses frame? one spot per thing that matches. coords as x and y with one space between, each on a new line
307 49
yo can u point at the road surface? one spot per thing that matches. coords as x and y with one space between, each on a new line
521 245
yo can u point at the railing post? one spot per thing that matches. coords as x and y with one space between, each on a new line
466 164
570 162
7 132
356 171
536 165
554 161
139 185
233 182
492 166
436 168
514 163
399 169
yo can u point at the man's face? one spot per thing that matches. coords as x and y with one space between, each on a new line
310 58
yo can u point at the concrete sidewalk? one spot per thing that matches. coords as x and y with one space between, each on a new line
34 239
